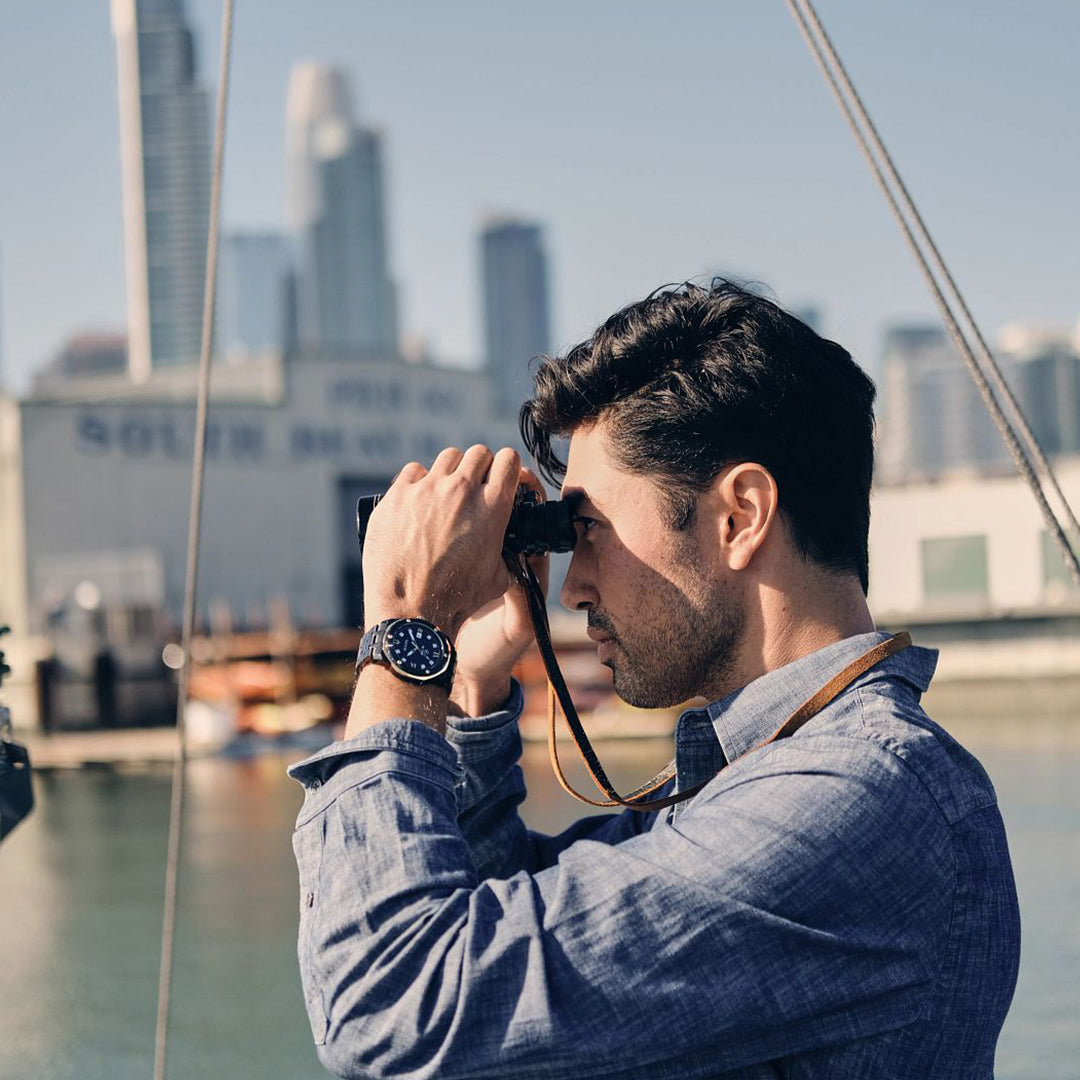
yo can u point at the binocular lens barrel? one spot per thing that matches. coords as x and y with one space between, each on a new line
535 527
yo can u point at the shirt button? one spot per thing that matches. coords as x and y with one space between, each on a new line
310 899
316 784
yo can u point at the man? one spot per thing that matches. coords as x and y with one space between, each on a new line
836 903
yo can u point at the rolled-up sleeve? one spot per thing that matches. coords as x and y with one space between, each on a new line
793 906
491 788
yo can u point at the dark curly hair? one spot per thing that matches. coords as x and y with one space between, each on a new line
691 379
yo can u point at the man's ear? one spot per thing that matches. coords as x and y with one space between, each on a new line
747 500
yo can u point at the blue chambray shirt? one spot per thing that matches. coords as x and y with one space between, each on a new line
839 904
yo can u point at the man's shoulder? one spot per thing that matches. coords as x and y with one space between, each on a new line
873 725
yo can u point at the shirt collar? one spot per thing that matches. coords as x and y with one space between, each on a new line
747 717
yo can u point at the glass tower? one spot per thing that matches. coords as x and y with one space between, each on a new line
337 210
255 286
165 165
516 315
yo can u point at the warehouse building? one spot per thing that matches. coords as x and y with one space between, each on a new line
95 486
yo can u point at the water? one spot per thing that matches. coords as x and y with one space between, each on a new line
81 891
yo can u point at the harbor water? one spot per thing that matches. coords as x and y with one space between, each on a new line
81 885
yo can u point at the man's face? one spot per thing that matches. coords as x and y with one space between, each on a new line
667 619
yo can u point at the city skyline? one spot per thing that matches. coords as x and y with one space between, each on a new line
818 234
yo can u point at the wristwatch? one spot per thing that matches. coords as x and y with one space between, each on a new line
413 649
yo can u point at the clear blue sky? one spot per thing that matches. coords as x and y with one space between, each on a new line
655 143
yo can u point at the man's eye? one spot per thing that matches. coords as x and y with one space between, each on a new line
586 524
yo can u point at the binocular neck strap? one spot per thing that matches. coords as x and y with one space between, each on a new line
558 693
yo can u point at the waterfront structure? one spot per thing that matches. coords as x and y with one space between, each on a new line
256 295
165 169
95 478
513 267
337 208
966 563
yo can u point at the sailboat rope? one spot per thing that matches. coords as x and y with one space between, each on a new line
198 469
824 53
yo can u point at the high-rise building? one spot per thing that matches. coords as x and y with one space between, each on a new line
337 209
931 418
165 167
255 288
516 309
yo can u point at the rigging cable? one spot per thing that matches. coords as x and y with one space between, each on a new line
828 61
172 867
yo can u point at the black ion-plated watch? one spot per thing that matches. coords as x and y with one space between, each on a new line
413 649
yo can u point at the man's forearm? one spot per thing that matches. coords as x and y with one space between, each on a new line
380 695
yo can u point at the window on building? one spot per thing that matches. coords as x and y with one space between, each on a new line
955 570
1056 579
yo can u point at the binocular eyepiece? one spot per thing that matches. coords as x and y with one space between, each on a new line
535 527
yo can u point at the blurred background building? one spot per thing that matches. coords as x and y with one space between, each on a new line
517 318
932 420
86 354
165 169
257 302
337 209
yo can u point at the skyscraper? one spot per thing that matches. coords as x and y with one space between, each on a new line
337 209
516 311
165 167
1048 383
255 281
931 417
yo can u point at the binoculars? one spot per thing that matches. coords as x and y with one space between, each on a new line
535 527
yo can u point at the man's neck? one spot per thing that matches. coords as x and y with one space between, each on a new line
785 626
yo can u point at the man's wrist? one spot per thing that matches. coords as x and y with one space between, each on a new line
375 613
480 698
380 695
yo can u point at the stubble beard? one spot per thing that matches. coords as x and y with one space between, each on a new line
674 657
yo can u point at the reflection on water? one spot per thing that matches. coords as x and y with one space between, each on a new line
80 922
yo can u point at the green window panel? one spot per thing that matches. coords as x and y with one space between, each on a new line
1055 574
955 569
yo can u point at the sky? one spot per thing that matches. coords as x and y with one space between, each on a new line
655 144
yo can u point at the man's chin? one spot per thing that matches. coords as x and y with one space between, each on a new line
639 696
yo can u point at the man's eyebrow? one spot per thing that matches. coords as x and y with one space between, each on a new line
578 499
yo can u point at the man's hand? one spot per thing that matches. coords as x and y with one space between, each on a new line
434 543
492 640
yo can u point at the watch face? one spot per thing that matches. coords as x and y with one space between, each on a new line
416 649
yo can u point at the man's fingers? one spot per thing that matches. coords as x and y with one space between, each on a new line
475 463
446 462
532 481
503 477
409 474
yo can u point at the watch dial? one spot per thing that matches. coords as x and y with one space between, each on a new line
416 649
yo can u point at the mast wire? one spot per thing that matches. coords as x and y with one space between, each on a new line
832 68
172 866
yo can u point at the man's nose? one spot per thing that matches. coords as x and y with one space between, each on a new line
578 590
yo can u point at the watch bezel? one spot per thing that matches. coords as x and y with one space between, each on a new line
448 649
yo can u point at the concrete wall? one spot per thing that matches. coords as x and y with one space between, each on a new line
1000 508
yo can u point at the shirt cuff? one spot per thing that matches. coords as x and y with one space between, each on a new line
407 746
510 710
